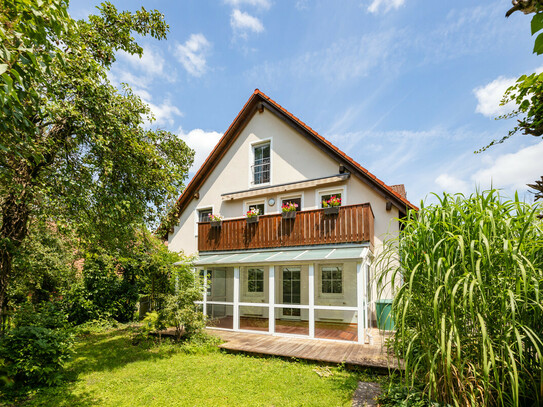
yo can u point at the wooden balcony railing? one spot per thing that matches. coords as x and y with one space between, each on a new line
353 224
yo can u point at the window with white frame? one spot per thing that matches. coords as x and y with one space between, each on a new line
259 206
261 166
331 280
203 214
255 280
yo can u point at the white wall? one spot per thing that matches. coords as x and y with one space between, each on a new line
293 158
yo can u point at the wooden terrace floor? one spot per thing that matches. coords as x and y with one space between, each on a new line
352 354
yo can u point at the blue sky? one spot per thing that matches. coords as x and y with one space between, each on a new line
408 88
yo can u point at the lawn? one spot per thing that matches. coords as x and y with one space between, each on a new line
109 370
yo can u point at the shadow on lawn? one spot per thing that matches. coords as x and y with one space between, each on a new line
61 396
95 352
113 349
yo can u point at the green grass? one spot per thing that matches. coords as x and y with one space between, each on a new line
108 370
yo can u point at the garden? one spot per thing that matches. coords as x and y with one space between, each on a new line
85 284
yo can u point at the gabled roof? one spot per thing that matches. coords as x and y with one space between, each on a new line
259 101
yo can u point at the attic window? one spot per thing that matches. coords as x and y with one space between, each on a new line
261 167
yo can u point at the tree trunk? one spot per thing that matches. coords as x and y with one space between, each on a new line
15 214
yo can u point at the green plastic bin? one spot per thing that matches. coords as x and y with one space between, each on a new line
383 309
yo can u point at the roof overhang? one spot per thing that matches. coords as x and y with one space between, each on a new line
283 256
291 186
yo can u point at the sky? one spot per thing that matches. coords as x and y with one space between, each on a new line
408 88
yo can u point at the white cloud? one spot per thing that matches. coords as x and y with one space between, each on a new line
192 54
302 4
242 22
164 113
262 4
151 62
202 142
343 61
490 96
512 171
387 5
452 184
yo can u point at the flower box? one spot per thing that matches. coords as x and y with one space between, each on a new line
252 219
331 210
289 215
216 223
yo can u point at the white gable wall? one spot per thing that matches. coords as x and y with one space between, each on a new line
293 158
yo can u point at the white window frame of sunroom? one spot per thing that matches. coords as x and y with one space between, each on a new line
330 191
280 199
340 295
197 216
252 162
361 308
244 277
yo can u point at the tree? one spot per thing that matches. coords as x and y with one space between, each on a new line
538 186
527 92
75 148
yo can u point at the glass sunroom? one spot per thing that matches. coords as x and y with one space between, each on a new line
315 293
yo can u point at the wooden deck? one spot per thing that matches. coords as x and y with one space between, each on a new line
336 352
353 224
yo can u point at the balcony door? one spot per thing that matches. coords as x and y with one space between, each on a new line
291 291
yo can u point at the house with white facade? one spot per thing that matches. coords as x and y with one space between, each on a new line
306 272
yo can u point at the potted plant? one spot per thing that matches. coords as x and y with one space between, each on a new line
215 220
252 215
288 210
331 206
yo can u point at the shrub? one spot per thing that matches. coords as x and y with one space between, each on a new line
34 354
35 349
469 315
47 315
181 313
398 395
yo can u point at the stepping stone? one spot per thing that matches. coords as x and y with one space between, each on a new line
365 394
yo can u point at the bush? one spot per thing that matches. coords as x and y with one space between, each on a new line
110 287
469 315
35 349
398 395
47 315
34 354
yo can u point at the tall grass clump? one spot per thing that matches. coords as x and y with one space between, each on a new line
469 309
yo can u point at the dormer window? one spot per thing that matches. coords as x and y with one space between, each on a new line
261 166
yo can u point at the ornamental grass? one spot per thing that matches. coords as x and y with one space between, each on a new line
467 306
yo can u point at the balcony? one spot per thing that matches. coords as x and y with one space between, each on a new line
353 224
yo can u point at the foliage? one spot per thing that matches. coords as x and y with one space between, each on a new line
181 313
34 354
109 370
538 186
289 207
469 315
398 395
36 349
253 212
177 308
156 267
74 148
333 201
48 315
45 264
